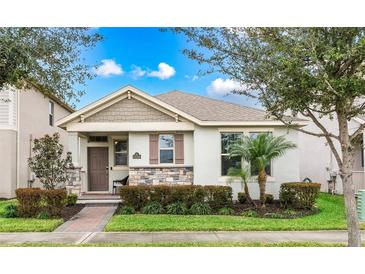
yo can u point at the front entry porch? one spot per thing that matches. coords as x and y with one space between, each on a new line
110 160
102 159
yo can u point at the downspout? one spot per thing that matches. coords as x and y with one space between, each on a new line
17 138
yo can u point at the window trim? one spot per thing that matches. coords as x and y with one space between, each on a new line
51 113
227 154
166 148
115 152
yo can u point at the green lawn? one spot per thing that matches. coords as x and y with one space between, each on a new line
183 244
330 217
25 224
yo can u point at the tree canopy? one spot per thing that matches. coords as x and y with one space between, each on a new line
50 58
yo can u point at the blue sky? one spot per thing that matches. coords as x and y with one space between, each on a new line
152 61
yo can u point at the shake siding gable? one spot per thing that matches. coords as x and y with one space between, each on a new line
130 110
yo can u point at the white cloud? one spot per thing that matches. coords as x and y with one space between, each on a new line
164 71
195 77
221 87
137 72
192 78
108 68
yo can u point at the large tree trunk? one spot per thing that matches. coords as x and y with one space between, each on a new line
262 185
346 167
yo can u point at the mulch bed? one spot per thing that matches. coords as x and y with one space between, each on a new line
71 211
272 210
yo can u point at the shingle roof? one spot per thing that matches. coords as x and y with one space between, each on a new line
208 109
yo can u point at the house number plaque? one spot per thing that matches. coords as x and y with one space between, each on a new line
136 156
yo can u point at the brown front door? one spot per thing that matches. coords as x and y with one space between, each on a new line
97 158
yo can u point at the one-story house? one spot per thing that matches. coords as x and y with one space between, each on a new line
171 138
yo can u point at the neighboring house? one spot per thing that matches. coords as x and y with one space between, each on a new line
172 138
25 115
318 163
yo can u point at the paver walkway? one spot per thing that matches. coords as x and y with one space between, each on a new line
92 218
160 237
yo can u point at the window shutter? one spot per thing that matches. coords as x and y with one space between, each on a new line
179 148
153 148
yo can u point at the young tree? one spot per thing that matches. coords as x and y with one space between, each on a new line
244 174
260 151
316 72
48 57
47 162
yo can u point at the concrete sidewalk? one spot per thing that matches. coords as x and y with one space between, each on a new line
160 237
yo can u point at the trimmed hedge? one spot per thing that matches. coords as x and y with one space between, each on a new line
139 196
29 201
299 195
33 201
55 201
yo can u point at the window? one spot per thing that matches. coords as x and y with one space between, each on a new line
51 113
166 149
254 170
121 153
99 139
226 162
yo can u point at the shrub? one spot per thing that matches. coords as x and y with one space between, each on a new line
71 199
177 208
29 201
226 211
241 196
250 213
161 194
153 208
139 196
11 211
219 196
126 210
299 195
54 201
200 209
47 162
269 198
135 196
43 215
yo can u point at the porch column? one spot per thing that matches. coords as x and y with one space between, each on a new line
74 147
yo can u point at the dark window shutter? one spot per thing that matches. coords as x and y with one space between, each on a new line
179 148
153 148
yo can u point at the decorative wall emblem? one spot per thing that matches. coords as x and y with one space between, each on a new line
136 156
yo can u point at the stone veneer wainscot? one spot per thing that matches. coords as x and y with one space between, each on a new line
161 175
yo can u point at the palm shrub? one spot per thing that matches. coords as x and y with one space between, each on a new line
200 209
244 174
153 208
259 151
177 208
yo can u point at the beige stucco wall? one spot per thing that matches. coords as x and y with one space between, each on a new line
7 163
34 123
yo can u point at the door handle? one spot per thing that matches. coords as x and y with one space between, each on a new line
107 170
